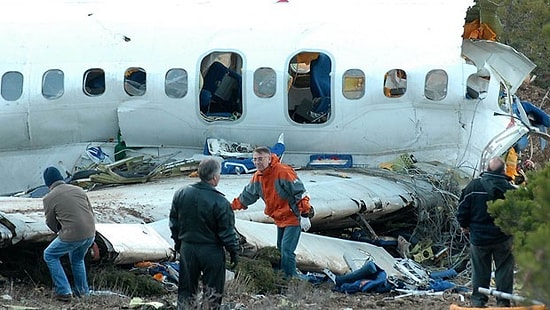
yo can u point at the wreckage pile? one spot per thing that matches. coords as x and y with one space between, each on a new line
425 237
429 252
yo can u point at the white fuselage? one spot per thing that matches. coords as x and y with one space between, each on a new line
371 36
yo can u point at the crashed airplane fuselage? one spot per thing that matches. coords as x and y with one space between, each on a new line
173 76
373 82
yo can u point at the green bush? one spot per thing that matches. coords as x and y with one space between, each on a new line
525 214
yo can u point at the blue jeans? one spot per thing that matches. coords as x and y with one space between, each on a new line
287 241
76 251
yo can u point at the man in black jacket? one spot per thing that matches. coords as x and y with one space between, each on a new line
202 224
487 242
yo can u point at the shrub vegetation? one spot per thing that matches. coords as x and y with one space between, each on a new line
525 214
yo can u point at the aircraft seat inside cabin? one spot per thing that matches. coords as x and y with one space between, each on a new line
320 83
319 108
221 92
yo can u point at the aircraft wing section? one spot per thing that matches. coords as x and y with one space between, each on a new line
511 65
22 219
315 252
340 199
338 196
131 243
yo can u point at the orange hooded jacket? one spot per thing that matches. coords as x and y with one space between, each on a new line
282 191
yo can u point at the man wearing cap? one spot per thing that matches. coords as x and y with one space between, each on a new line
70 215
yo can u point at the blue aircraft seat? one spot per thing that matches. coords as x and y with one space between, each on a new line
537 117
221 91
320 83
205 97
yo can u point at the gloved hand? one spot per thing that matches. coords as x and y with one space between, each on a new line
305 223
309 214
234 260
303 204
237 205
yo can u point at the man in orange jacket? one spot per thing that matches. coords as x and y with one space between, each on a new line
286 202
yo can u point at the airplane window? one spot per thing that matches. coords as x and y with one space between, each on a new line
175 83
353 84
435 86
12 85
94 82
220 96
395 83
53 84
135 81
478 84
265 82
309 90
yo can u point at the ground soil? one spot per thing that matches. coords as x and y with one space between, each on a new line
302 296
24 292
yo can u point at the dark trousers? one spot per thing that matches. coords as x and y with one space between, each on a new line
481 259
197 259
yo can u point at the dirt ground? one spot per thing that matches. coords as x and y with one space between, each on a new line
299 296
24 293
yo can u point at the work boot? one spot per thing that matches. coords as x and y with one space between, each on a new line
503 303
63 297
478 305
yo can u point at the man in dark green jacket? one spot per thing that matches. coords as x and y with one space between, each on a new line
487 242
202 224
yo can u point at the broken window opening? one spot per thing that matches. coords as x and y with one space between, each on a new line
94 82
135 81
309 90
395 83
477 84
220 96
505 102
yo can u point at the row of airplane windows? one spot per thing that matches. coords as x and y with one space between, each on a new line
175 83
220 94
53 83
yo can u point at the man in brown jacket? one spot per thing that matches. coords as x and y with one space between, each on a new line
70 215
